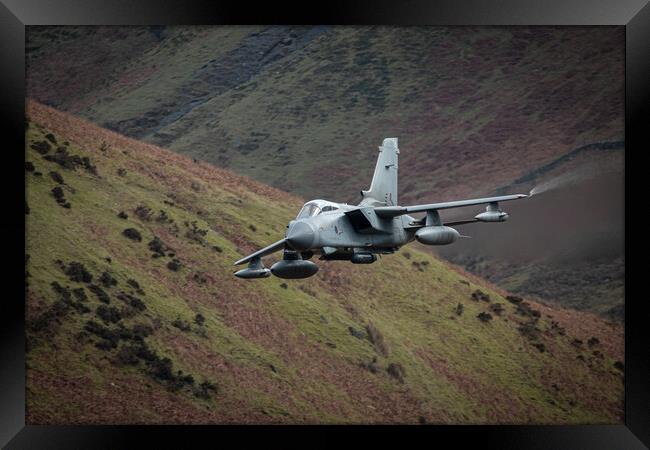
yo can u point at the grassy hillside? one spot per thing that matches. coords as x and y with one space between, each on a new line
476 110
134 314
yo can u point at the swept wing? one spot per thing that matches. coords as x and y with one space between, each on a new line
393 211
275 247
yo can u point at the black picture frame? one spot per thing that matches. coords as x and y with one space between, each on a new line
16 14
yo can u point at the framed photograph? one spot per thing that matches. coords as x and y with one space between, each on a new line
241 220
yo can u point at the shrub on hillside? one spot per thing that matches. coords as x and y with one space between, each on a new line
132 234
77 272
356 333
194 233
42 147
496 308
484 317
158 247
108 314
100 293
525 310
163 217
145 353
132 301
59 196
417 265
371 366
58 193
377 339
62 292
56 176
141 331
555 327
80 294
135 285
203 389
174 265
66 160
529 331
64 296
182 379
49 318
88 165
161 368
128 356
396 370
480 295
181 325
109 338
539 346
143 212
107 280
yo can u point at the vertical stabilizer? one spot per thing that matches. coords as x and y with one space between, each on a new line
383 188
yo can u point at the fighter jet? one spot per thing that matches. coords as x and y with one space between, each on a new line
358 233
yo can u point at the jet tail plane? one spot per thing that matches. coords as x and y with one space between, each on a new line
383 188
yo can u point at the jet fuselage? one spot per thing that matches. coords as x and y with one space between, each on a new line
334 230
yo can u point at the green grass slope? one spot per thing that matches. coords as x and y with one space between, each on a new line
150 326
476 109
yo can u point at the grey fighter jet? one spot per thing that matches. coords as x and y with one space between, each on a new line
377 225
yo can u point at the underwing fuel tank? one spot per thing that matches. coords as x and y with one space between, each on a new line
492 216
437 235
292 267
363 258
254 270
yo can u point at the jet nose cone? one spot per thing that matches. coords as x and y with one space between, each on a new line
300 236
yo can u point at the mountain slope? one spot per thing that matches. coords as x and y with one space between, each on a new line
476 109
482 105
130 281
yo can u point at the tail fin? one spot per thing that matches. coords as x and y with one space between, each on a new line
383 188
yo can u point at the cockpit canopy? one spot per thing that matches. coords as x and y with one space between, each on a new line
314 207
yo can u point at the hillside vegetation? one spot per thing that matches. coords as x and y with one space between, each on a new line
477 110
134 316
475 107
